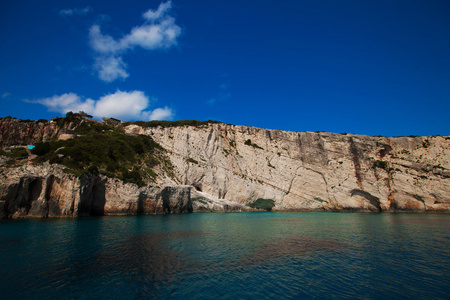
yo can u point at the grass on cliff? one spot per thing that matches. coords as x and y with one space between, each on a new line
100 148
164 124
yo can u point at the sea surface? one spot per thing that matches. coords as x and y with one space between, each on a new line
266 255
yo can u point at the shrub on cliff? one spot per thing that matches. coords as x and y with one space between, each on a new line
18 153
249 143
133 176
41 148
164 124
381 164
191 160
113 154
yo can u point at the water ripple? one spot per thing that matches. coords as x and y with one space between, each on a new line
229 256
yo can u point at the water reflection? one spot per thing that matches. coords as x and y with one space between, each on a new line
288 220
148 263
228 255
424 221
288 247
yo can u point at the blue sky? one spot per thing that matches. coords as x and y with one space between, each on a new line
364 67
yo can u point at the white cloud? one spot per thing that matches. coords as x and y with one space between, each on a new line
153 36
75 11
110 68
132 105
67 102
162 114
5 95
122 105
163 8
102 43
158 32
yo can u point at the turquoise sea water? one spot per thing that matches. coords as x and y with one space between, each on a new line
230 256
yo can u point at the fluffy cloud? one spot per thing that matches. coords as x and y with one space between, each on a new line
159 31
110 68
163 8
75 11
67 102
121 105
161 114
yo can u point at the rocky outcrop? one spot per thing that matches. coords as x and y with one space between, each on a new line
46 191
25 132
202 202
18 132
310 171
177 199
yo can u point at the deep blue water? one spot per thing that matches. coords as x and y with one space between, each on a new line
231 256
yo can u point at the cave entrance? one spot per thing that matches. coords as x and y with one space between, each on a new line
34 191
98 199
197 187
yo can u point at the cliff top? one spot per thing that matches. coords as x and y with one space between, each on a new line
81 116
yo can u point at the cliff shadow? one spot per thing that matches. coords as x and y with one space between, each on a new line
20 197
92 196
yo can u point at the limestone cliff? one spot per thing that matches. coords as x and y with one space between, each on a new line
310 171
46 191
220 167
22 132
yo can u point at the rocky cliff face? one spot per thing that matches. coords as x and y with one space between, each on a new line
220 167
46 191
310 171
19 132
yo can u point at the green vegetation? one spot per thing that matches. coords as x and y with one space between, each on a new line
74 118
19 153
165 124
261 203
191 160
69 118
41 149
30 121
104 149
319 200
249 143
15 153
381 164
